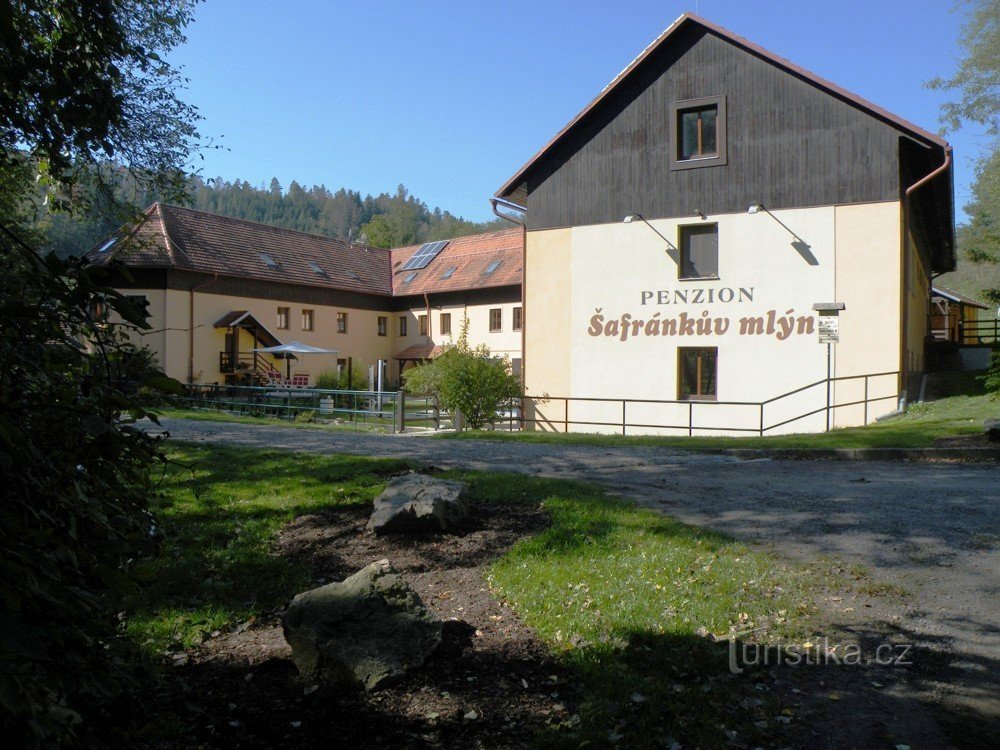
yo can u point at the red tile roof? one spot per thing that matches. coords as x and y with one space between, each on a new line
183 238
420 352
470 257
172 237
943 291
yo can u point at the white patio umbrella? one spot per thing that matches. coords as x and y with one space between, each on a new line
294 347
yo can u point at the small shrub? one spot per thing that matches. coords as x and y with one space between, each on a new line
992 377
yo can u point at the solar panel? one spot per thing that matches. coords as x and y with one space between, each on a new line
492 267
450 272
424 255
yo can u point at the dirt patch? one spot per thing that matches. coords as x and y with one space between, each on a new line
492 683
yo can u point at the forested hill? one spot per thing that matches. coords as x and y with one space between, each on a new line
388 220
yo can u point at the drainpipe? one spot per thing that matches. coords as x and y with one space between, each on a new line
191 292
904 369
430 329
524 266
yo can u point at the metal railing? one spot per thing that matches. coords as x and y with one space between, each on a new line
359 408
757 411
232 362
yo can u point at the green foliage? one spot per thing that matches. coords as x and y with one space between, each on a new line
84 82
466 380
991 380
978 102
355 380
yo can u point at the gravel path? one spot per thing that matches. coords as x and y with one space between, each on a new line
931 528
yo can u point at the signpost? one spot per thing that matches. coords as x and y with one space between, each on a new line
829 334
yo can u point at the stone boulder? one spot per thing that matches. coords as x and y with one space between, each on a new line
416 503
366 630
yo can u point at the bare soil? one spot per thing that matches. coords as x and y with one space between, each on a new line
492 683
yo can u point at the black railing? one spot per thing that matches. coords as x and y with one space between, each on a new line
979 331
234 362
545 411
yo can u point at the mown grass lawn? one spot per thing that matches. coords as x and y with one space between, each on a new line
959 408
624 595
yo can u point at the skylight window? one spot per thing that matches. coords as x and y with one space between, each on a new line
410 277
450 272
492 267
315 267
354 275
107 245
424 255
268 260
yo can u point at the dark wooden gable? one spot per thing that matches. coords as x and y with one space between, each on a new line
790 143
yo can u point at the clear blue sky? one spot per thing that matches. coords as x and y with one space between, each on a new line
450 98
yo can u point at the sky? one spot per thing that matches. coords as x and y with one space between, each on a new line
451 98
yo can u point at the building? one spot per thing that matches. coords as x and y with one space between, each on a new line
218 288
701 230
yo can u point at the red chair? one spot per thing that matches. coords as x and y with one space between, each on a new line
300 380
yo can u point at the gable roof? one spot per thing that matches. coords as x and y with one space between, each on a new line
515 188
470 257
943 291
170 237
186 239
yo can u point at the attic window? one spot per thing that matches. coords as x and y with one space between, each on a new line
492 267
107 245
268 261
314 266
410 277
698 133
353 275
450 272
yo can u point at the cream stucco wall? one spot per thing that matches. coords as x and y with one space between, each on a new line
361 341
597 291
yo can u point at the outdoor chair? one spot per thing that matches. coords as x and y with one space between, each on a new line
275 379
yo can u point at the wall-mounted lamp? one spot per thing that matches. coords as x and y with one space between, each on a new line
755 207
698 212
633 216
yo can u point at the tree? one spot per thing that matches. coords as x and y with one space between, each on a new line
977 83
467 380
84 82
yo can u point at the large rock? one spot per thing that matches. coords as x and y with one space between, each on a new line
417 502
366 630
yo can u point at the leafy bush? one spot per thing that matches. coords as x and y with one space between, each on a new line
470 381
356 380
992 377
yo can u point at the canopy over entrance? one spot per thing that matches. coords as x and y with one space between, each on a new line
243 319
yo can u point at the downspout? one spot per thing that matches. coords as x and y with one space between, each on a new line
904 369
524 268
191 292
430 329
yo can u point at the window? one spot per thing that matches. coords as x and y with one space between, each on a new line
315 268
268 261
99 310
383 325
422 321
518 319
697 368
699 252
496 319
445 324
341 322
698 130
492 267
307 320
402 325
283 318
449 272
410 277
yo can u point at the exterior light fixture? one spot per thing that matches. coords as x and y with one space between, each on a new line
632 217
755 207
629 218
698 212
